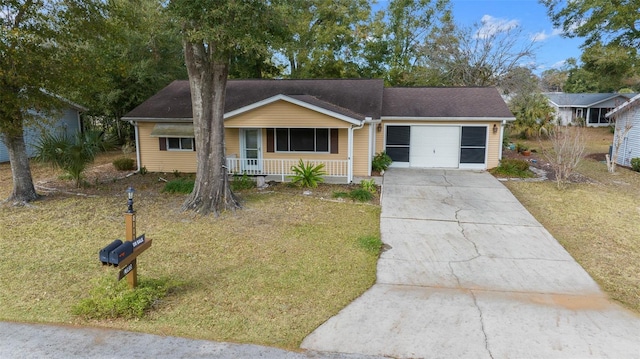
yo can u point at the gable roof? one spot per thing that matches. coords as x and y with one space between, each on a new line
561 99
352 98
346 99
625 106
445 102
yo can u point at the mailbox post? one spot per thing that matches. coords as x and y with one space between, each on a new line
124 254
130 235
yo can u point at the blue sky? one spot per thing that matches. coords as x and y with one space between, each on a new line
552 50
530 15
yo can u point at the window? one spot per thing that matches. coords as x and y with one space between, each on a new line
302 139
473 144
398 138
596 115
179 144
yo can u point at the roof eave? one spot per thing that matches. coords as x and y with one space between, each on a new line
446 119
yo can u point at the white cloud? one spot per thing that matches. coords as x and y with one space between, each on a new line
493 25
540 36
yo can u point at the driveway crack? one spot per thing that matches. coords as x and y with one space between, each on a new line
484 333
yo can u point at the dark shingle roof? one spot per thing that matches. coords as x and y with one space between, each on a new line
361 98
356 99
443 102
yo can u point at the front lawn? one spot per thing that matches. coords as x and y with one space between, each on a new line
267 274
596 220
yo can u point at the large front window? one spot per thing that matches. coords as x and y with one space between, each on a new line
302 139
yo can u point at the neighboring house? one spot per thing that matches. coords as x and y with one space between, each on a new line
271 124
627 119
590 107
67 122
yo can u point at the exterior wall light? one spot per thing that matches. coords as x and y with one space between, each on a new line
495 128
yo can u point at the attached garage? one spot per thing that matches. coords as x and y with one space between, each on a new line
440 127
437 146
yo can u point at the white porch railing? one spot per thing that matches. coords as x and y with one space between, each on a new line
282 167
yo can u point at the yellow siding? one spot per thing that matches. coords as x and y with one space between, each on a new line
361 160
493 146
232 142
284 114
155 160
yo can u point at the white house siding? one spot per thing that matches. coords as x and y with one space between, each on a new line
630 145
69 123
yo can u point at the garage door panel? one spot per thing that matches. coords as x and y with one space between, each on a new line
435 146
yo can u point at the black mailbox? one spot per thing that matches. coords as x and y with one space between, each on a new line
120 253
104 252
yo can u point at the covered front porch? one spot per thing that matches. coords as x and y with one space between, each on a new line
338 171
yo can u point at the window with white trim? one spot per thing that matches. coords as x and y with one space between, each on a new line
179 144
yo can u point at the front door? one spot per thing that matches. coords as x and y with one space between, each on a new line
251 156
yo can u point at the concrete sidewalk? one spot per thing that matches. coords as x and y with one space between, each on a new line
469 273
35 341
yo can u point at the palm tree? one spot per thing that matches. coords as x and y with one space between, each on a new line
72 154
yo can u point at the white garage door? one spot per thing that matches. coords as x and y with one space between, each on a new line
435 146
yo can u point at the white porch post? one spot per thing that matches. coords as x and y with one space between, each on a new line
504 122
350 155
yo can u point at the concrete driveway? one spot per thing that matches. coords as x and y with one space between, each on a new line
469 273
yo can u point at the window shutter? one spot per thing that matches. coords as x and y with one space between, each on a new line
334 140
270 140
163 143
194 144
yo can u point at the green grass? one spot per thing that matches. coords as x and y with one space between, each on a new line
179 185
268 274
596 222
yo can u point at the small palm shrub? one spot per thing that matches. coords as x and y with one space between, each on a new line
307 175
124 164
72 154
369 185
381 161
635 164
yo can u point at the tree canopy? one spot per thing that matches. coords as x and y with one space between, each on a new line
40 53
598 21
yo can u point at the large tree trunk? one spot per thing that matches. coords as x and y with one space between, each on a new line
208 81
23 189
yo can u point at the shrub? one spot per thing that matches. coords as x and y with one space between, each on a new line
381 161
361 195
369 185
124 164
635 164
110 299
307 175
567 147
240 182
180 185
513 167
72 153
